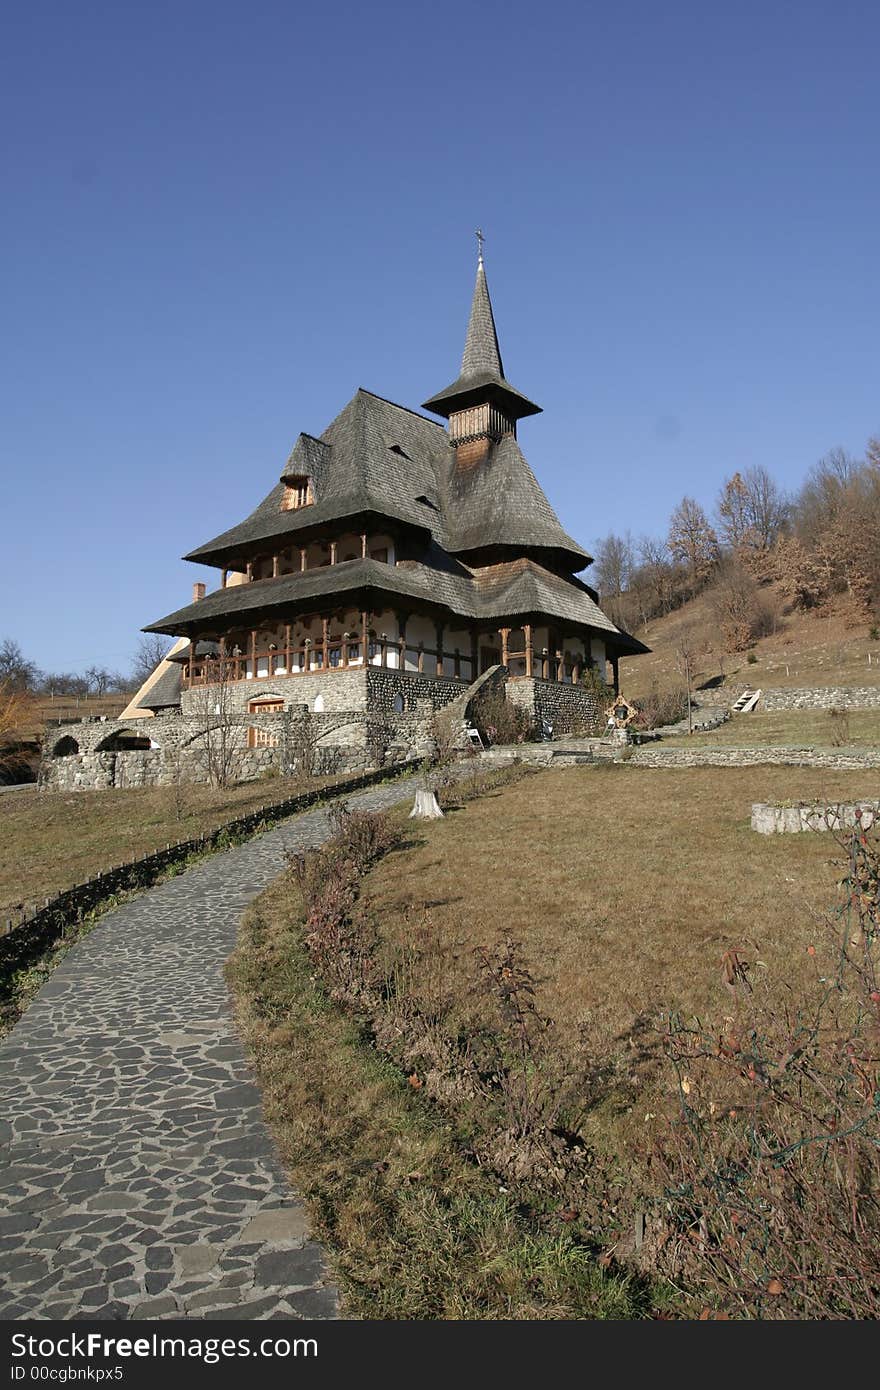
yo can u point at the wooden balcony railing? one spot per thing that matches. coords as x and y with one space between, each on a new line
344 654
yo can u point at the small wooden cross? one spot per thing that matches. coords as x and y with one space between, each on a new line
480 240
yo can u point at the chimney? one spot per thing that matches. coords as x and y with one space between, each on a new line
198 592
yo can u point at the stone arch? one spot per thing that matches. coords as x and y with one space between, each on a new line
257 702
335 728
66 747
125 741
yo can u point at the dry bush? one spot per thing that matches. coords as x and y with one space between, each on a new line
742 611
661 707
838 720
342 940
17 712
499 720
772 1166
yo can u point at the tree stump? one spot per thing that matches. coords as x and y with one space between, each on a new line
426 807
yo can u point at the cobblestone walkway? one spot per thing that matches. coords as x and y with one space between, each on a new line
137 1177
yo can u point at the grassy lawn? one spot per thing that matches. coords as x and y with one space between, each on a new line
414 1229
812 727
52 840
626 886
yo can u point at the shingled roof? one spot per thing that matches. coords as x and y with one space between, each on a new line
381 460
503 590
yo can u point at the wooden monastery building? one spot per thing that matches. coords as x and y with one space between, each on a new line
398 559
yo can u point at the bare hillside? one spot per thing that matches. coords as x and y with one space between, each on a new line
807 649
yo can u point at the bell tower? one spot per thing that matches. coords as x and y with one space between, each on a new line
480 405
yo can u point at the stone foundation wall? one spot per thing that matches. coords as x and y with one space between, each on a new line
844 760
821 697
566 707
384 686
341 690
793 820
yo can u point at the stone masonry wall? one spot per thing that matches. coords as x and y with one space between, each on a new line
383 687
566 707
358 728
341 690
844 760
821 697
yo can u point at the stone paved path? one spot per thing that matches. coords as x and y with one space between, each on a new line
137 1178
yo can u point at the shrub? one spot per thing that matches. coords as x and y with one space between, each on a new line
752 659
360 836
838 720
499 720
659 708
874 634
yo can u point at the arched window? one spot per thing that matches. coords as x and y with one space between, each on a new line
269 704
398 704
318 706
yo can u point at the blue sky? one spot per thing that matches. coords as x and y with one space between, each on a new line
220 219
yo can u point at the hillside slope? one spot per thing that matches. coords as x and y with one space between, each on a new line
813 648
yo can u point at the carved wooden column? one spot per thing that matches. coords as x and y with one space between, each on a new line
287 648
402 619
527 630
254 653
274 566
560 665
505 636
333 552
249 571
363 545
365 638
223 578
325 640
475 653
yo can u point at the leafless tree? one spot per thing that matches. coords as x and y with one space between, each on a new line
692 541
18 716
15 667
151 649
685 659
220 742
615 558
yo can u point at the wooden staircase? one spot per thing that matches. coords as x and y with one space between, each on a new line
746 702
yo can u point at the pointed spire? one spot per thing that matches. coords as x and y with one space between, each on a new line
481 379
481 350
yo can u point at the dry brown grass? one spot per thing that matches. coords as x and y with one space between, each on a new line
627 886
51 840
809 649
415 1230
813 727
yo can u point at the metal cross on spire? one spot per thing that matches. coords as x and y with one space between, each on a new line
480 239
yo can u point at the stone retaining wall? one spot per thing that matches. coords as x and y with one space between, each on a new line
566 707
821 697
842 759
792 820
370 717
